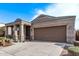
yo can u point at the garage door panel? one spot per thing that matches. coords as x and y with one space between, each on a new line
57 33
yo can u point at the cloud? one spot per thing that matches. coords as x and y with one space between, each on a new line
61 10
1 25
38 12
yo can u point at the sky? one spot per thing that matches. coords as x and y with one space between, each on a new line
10 12
28 11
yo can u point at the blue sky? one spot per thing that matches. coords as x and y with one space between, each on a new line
26 11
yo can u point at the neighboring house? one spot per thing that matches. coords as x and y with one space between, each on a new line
43 28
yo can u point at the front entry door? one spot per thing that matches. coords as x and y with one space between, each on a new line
27 32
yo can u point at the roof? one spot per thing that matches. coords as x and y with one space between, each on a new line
17 21
43 18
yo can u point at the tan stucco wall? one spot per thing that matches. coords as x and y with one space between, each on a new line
69 22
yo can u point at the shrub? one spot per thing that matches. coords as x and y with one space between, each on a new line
2 38
76 43
9 36
74 50
7 41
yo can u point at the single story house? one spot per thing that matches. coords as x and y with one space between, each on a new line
43 28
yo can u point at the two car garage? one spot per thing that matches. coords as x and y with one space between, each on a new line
55 34
53 29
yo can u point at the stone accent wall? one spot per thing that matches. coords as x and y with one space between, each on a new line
21 23
22 32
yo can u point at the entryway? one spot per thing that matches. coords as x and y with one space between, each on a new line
27 32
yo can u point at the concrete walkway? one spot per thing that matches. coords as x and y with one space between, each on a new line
32 49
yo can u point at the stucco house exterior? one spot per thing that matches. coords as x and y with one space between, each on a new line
43 28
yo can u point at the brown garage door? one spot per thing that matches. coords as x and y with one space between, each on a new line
56 34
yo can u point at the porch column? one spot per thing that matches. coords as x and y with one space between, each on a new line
32 33
15 33
22 32
6 31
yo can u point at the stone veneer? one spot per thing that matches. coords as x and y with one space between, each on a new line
21 24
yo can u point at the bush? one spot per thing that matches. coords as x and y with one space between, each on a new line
5 42
9 36
2 38
76 43
74 50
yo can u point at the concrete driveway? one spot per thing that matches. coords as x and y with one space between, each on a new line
32 49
